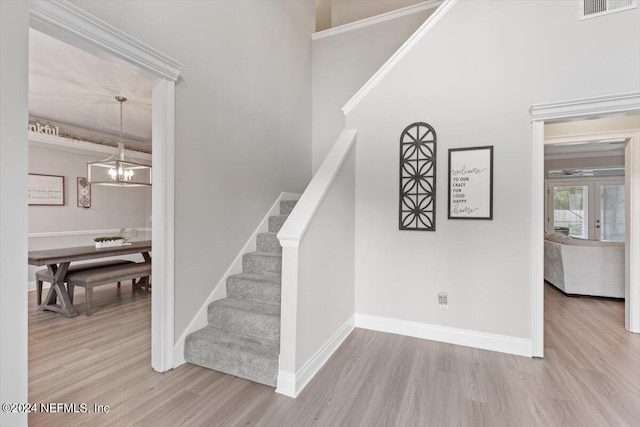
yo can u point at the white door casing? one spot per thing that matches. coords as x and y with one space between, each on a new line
619 104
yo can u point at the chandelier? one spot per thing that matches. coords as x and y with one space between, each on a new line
118 170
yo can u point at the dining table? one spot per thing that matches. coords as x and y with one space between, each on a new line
58 260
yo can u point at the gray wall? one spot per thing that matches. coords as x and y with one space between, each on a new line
111 207
474 78
342 63
243 121
345 11
14 42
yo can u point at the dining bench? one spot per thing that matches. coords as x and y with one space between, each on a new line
44 275
88 279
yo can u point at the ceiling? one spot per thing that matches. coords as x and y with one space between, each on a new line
68 86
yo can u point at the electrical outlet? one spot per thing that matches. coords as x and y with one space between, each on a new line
443 300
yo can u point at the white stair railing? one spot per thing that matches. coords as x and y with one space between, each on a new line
318 244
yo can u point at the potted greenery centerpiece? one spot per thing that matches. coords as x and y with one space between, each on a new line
109 241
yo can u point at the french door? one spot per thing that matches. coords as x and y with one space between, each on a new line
586 209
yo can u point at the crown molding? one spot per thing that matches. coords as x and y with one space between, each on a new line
395 14
586 107
70 19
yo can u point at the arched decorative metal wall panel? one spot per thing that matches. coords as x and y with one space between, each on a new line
418 177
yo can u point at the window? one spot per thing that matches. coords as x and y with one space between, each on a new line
611 210
587 209
569 210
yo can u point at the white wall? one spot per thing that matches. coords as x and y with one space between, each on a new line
14 42
473 77
345 11
342 63
243 121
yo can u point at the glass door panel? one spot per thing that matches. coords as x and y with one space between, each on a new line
610 221
570 206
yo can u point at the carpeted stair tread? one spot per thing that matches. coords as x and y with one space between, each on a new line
247 357
262 263
268 242
252 318
276 222
286 206
254 287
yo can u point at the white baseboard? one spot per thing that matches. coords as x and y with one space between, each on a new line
286 384
291 385
219 291
465 337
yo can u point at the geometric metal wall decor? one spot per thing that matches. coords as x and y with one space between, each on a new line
418 177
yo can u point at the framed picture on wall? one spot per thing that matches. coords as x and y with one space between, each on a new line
471 183
46 190
84 193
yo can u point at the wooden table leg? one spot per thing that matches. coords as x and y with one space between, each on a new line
58 290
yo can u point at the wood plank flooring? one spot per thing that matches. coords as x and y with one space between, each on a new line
589 377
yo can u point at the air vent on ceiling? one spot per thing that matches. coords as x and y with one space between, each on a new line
593 8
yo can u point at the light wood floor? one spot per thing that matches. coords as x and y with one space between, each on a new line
589 377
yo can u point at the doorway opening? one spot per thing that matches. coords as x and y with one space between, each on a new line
71 24
579 217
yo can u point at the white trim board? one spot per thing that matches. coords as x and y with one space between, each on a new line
219 291
398 55
584 155
290 384
69 23
77 146
446 334
562 111
394 14
47 234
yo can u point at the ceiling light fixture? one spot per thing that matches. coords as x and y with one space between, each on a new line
117 170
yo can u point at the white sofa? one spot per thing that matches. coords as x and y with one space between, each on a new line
584 267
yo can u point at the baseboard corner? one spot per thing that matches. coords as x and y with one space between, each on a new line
286 384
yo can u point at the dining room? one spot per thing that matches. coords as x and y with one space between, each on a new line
89 176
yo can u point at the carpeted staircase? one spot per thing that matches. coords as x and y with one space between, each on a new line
243 335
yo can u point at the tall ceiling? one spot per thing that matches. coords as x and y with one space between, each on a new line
69 86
